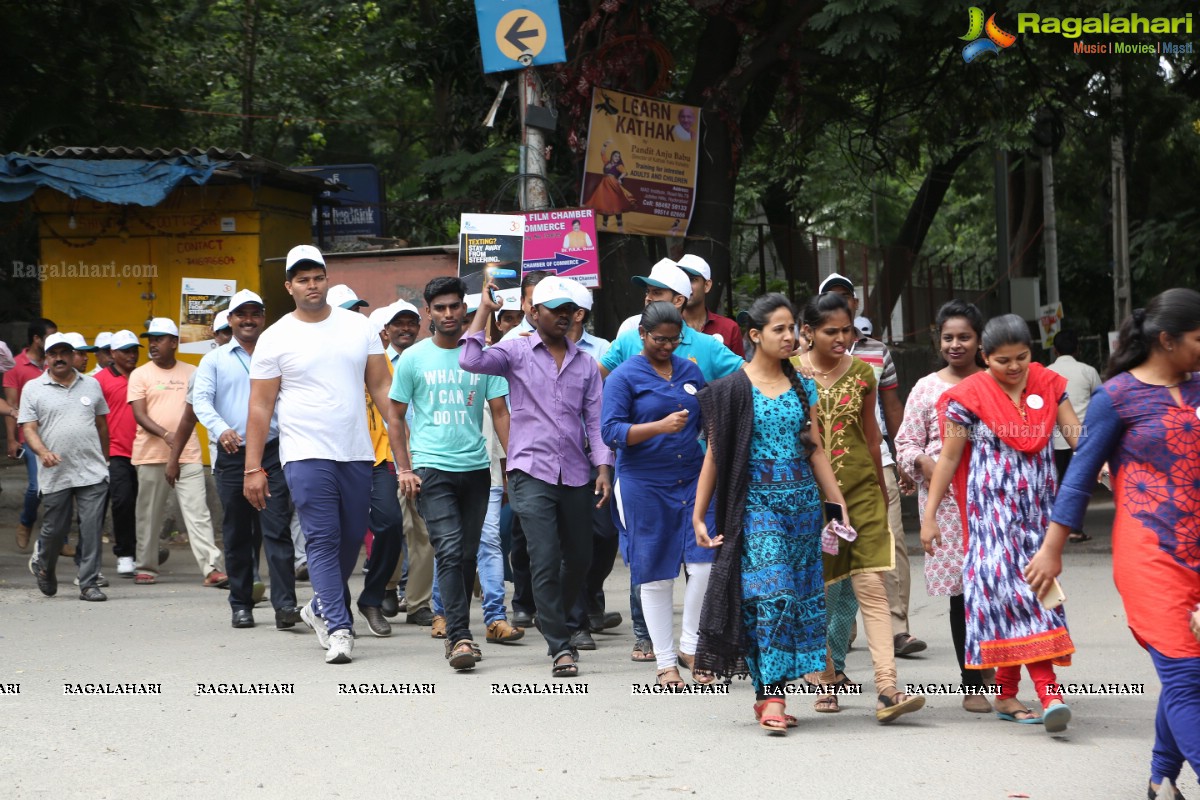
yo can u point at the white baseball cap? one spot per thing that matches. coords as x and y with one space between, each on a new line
380 317
221 321
666 274
553 292
472 301
342 295
864 325
241 298
102 340
78 342
57 340
583 297
302 253
836 280
123 340
161 326
695 265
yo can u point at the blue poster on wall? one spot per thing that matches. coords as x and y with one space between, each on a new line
353 211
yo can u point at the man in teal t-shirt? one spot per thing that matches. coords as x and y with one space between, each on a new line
443 461
714 359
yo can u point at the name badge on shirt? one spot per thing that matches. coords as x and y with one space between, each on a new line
690 388
1035 401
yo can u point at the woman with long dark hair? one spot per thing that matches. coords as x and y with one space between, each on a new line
651 420
764 612
1143 424
918 445
998 449
854 577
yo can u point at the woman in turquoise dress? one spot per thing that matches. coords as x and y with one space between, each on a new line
764 611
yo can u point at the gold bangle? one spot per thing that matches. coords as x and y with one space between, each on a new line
252 471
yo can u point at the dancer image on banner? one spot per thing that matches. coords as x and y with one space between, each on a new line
610 198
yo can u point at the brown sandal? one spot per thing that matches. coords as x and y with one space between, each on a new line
700 676
462 655
663 678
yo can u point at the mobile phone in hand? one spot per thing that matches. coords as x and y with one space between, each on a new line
833 511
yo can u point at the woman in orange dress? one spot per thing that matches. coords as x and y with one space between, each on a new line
610 197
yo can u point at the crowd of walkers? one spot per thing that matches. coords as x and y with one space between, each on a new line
765 468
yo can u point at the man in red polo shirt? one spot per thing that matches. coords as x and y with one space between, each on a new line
122 427
29 364
696 313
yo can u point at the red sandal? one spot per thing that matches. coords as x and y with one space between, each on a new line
783 721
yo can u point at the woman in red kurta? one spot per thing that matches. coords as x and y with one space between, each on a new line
1144 423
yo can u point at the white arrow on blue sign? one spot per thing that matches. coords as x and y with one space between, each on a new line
514 34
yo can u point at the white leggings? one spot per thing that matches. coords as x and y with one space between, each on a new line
658 606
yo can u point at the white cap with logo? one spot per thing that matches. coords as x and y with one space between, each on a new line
102 340
305 256
553 292
161 326
666 274
220 321
79 343
382 316
582 295
123 340
342 295
836 280
696 265
58 340
242 297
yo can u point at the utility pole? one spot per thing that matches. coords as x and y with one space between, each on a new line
1047 134
1122 294
534 195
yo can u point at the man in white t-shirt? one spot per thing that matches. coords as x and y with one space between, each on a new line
309 368
1082 380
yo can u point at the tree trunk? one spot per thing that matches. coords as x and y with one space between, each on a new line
249 61
901 253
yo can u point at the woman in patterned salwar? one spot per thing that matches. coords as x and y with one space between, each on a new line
1143 423
845 410
918 446
764 611
998 449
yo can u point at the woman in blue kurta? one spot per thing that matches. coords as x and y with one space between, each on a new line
651 418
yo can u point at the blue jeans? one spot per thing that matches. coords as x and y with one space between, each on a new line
453 505
1177 724
386 520
490 563
640 631
29 510
334 500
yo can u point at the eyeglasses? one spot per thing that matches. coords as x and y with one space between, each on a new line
664 340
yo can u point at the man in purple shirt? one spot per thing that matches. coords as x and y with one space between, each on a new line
552 384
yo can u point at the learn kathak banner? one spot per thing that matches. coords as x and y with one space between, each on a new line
492 243
640 168
563 241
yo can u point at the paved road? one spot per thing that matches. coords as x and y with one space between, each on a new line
464 740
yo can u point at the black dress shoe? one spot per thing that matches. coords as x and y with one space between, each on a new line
422 617
286 617
93 595
163 554
582 640
47 581
391 604
376 623
243 618
602 622
520 619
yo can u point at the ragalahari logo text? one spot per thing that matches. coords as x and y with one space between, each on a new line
995 41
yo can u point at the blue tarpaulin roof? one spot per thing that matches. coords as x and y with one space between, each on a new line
123 181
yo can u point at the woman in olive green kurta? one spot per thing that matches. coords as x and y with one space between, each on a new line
854 577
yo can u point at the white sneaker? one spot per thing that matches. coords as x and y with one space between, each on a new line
125 566
341 645
317 623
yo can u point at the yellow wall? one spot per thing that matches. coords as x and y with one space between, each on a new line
119 266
